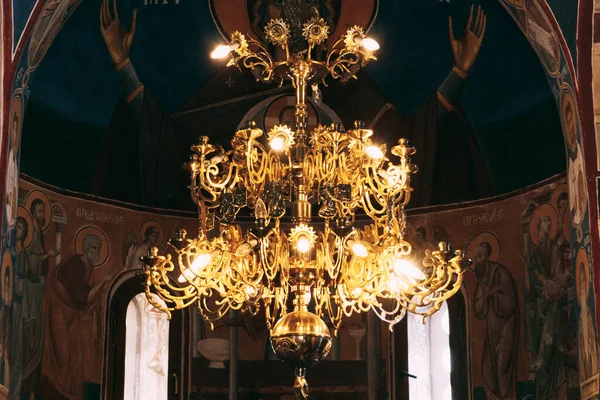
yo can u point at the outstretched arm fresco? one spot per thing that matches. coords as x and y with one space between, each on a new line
465 51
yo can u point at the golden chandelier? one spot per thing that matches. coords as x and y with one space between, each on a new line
341 250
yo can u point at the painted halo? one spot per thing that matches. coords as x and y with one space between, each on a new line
582 196
563 187
237 15
426 227
26 215
275 109
153 224
567 100
582 261
16 108
38 194
566 218
7 268
104 249
543 210
485 236
542 37
12 175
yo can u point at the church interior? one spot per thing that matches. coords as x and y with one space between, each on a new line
299 199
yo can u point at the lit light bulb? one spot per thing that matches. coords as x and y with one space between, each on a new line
186 276
303 244
356 292
277 143
374 152
223 50
200 263
360 250
243 250
395 285
406 271
250 291
367 43
370 44
260 210
306 297
392 179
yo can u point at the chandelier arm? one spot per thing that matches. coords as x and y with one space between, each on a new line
325 167
158 277
335 316
342 57
349 171
209 313
270 269
258 59
276 170
193 187
214 189
309 170
182 299
226 181
339 260
375 182
256 155
152 300
376 214
426 304
397 316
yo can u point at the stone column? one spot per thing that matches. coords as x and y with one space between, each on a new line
233 358
373 354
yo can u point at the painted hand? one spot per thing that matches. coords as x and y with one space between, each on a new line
466 49
118 40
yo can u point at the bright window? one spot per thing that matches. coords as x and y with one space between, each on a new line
146 351
429 356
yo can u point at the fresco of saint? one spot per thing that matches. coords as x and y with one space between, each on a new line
496 302
71 300
546 309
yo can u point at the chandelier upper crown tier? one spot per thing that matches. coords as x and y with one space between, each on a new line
341 60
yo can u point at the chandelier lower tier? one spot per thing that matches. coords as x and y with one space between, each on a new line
328 210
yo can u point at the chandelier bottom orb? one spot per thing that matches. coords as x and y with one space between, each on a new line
301 339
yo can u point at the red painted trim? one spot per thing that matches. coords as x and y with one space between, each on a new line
189 214
561 39
585 98
588 132
5 88
106 201
31 21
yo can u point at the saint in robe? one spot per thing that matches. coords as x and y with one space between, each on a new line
496 302
71 296
547 316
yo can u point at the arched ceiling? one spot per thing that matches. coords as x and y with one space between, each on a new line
506 99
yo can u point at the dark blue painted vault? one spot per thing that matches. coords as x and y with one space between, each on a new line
506 99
